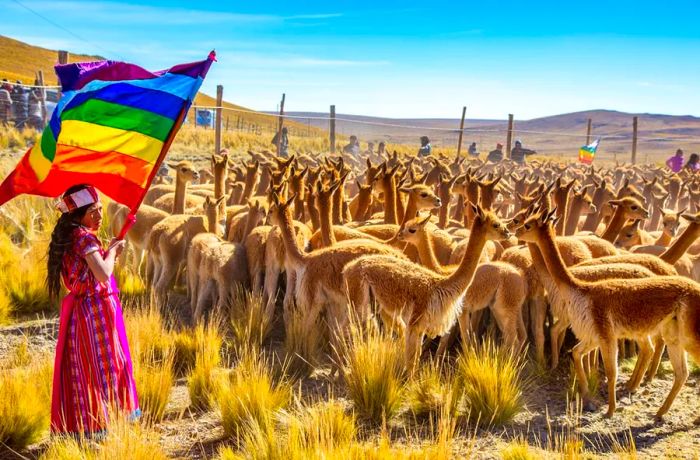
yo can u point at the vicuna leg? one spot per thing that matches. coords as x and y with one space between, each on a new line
646 350
414 342
577 353
556 334
677 355
538 312
609 351
659 348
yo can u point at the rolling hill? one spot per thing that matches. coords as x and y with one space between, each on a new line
21 61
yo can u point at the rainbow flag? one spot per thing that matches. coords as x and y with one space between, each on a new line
587 152
111 129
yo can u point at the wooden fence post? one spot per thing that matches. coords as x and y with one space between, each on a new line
218 121
280 125
194 118
42 95
332 129
634 140
461 132
509 138
588 133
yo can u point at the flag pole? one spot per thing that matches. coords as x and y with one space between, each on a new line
131 218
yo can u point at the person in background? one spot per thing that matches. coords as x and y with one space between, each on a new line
353 146
693 164
518 153
5 105
20 104
425 147
675 163
284 143
472 150
36 120
496 155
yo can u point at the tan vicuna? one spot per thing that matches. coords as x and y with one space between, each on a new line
498 286
361 204
318 275
633 235
419 197
197 247
296 187
184 174
444 192
625 209
560 196
418 300
180 201
579 204
603 312
242 224
251 180
137 236
167 249
657 204
223 270
601 196
205 176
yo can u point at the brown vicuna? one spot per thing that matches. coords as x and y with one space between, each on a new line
167 249
361 204
603 312
179 201
146 218
580 204
242 224
601 196
184 174
198 245
415 298
498 286
625 209
318 275
444 192
657 204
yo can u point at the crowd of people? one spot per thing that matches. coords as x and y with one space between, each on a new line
517 154
20 106
677 163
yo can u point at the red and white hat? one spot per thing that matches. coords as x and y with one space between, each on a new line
75 200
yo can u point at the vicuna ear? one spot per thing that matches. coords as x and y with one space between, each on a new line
290 200
627 182
171 165
425 220
220 200
369 164
691 218
614 202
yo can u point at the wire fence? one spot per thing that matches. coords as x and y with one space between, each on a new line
25 105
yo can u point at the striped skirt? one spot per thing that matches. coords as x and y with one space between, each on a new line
92 372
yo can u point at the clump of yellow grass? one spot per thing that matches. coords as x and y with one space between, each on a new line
489 382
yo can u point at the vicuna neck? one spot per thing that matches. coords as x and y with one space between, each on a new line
615 225
389 200
180 194
552 259
292 251
573 215
682 243
464 273
325 211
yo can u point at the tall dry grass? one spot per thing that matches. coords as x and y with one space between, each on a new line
124 440
204 381
251 393
249 323
489 382
373 371
25 402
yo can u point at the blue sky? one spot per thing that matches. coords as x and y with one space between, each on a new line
400 59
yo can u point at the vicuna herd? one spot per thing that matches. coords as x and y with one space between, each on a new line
433 247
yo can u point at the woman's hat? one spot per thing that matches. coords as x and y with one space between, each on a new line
83 197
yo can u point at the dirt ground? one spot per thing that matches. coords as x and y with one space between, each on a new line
545 422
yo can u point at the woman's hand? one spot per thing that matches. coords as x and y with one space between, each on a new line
117 246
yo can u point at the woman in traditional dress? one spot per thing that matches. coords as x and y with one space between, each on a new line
93 372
